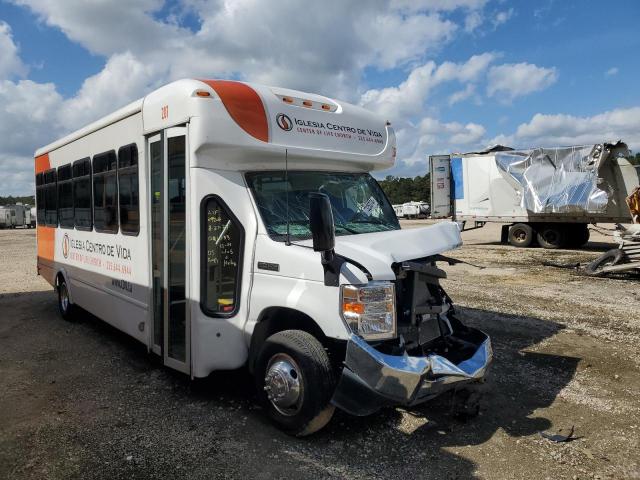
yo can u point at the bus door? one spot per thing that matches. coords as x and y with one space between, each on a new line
169 238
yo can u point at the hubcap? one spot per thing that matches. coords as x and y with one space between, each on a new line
283 384
64 297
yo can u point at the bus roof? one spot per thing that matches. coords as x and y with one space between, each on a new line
259 117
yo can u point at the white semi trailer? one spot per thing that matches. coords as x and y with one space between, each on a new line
14 216
543 195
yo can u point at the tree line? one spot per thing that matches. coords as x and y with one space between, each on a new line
402 190
10 200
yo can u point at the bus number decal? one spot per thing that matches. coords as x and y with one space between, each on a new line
165 112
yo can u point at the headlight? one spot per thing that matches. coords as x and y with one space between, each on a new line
370 310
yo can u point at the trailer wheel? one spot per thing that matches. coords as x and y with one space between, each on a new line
577 234
551 235
66 308
521 235
607 259
295 381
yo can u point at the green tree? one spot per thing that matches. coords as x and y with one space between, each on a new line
11 200
402 190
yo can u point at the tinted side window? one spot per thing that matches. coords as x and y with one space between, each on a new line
65 196
50 199
40 199
222 243
83 217
105 192
128 189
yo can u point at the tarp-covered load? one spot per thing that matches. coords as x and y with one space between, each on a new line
563 179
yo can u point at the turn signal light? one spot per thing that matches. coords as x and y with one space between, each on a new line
353 308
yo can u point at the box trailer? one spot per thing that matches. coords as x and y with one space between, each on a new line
543 195
14 216
5 218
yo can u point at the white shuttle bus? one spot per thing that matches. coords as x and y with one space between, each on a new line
228 225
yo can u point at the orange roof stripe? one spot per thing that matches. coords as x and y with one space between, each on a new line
244 105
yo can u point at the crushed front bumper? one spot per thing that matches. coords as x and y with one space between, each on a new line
371 379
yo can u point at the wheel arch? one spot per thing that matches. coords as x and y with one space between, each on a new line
276 319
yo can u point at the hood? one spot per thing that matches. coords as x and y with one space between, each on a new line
378 251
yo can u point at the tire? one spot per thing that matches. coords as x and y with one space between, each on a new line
521 235
577 234
287 359
65 307
609 258
551 235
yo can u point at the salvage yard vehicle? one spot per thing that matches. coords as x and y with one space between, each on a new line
544 196
228 225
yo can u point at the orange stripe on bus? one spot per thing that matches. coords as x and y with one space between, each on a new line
46 236
42 163
244 105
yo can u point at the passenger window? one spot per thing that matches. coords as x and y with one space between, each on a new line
65 196
50 199
40 199
83 217
105 192
222 243
128 189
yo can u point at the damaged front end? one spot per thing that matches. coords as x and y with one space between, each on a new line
433 351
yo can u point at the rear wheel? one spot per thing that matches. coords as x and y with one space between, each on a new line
521 235
551 235
66 308
577 234
295 381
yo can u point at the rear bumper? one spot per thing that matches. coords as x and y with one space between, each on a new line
371 379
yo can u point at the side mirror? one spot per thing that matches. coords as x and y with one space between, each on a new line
321 222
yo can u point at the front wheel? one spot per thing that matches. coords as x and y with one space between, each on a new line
295 381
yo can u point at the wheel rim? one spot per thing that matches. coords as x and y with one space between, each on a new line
551 236
520 235
64 297
284 384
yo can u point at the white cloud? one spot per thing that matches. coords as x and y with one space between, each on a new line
408 98
509 81
28 116
611 72
438 5
10 63
463 94
405 37
472 21
105 27
502 17
122 80
562 129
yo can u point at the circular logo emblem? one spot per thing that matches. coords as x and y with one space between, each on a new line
65 245
284 122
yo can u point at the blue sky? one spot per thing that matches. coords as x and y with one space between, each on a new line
451 75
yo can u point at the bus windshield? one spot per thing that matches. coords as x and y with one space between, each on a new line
358 203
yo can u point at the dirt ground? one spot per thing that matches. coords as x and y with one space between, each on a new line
81 400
